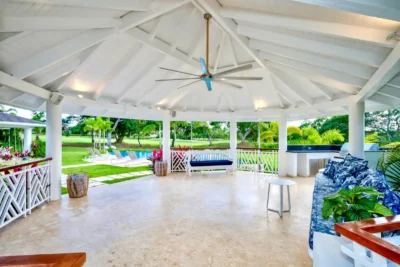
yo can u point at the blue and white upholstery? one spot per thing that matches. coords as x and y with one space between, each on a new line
347 174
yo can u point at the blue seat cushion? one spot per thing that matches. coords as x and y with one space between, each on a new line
205 163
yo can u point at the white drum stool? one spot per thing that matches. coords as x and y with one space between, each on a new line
281 183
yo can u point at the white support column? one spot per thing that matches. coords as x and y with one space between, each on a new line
282 162
27 139
233 141
53 146
166 141
356 128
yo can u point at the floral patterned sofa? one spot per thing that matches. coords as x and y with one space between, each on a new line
346 174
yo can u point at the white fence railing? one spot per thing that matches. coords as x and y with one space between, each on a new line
265 161
22 189
178 161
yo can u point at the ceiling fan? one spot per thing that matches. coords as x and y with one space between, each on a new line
207 77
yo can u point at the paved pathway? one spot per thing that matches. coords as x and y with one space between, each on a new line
98 181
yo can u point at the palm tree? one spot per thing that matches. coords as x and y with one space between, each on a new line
90 126
389 164
38 116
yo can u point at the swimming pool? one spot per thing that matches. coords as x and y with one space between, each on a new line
139 154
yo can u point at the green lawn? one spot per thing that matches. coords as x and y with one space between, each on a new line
74 155
146 143
103 170
123 179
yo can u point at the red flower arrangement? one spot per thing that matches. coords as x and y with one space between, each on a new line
156 156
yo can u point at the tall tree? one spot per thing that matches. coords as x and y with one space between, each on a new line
143 128
38 116
385 123
245 129
340 123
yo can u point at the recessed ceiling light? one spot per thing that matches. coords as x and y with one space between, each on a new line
158 108
80 96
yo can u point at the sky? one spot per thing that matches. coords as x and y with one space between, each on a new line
28 114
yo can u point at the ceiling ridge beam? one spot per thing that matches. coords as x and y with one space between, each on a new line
324 48
120 73
55 54
342 77
370 35
220 102
316 78
139 77
162 47
321 88
158 8
54 74
375 8
390 91
14 38
388 70
15 24
183 27
23 86
235 62
339 65
137 5
293 88
221 44
385 100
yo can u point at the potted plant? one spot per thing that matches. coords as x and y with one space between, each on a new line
159 167
358 203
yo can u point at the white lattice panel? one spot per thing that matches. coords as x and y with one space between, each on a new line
23 190
262 161
12 197
39 185
178 161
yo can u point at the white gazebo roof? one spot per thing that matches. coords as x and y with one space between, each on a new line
103 56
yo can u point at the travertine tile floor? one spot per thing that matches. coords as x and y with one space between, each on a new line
203 220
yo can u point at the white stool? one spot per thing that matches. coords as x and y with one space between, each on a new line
281 183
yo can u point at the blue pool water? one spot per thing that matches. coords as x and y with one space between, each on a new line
139 154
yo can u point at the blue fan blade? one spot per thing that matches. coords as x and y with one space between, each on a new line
208 82
203 66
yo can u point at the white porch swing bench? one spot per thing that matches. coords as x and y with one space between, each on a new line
208 160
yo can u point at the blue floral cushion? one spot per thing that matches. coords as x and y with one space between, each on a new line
330 168
378 180
354 165
349 183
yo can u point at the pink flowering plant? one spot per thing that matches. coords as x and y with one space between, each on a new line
156 156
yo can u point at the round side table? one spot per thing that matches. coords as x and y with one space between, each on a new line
281 183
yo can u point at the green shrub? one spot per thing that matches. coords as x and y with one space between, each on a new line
38 149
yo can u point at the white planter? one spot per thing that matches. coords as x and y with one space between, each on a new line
327 251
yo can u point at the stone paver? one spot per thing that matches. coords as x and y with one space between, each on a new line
98 181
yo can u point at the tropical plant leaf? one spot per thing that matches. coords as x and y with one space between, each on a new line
344 193
334 196
381 210
359 190
363 204
327 209
357 215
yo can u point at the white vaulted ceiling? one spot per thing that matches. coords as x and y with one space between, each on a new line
315 56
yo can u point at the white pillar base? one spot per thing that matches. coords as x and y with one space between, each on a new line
356 128
27 139
53 146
